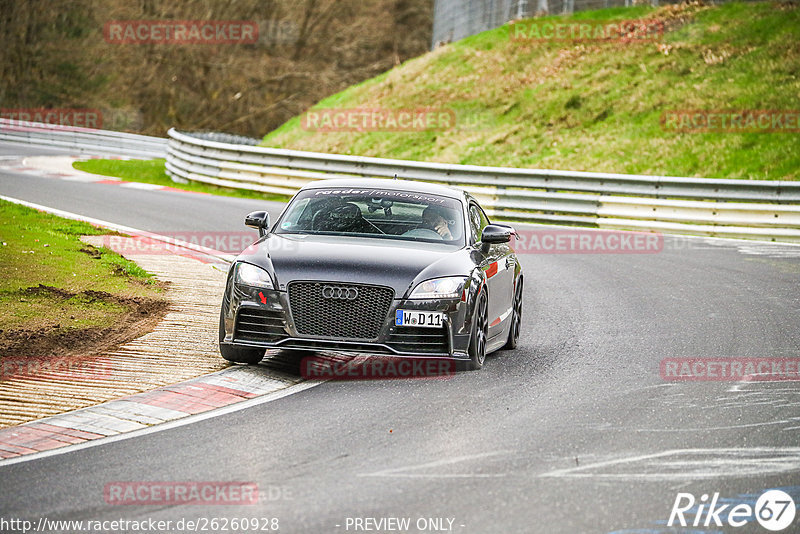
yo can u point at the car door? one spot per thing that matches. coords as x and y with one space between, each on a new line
498 266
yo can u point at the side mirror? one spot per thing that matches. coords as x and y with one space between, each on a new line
258 220
495 233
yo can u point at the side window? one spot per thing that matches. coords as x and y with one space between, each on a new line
477 222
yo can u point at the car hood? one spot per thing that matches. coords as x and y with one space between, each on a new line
393 263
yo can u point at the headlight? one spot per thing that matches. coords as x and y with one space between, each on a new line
250 275
440 288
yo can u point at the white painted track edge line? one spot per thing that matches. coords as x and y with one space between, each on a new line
227 258
242 405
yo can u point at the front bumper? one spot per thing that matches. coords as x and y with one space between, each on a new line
261 318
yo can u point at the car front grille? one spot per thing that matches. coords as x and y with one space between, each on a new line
419 340
358 318
253 324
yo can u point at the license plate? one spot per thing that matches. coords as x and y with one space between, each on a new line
418 318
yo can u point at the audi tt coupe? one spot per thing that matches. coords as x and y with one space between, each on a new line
375 266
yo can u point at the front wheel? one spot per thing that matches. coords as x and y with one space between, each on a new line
516 319
237 354
480 332
241 355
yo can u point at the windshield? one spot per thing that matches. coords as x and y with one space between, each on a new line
375 213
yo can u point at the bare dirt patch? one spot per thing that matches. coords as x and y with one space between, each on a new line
62 341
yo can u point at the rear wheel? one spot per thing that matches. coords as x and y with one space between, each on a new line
480 332
516 319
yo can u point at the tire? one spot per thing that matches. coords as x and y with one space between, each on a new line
241 355
516 319
237 354
480 332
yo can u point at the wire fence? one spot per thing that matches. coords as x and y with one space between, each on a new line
456 19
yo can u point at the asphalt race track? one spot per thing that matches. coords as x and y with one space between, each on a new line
576 431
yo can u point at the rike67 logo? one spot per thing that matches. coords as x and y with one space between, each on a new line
774 510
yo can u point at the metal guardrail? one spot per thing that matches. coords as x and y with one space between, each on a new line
699 206
696 206
83 140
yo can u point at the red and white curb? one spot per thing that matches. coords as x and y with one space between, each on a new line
211 395
60 167
234 388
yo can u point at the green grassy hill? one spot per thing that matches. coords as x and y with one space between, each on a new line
593 105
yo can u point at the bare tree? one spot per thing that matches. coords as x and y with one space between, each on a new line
55 55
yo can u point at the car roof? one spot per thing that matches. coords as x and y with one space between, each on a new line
392 185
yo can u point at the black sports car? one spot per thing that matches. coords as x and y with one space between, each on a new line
385 267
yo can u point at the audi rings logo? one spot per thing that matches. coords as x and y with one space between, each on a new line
339 293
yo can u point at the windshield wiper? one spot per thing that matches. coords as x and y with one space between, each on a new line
378 229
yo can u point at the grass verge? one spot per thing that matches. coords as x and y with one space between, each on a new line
592 105
90 294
